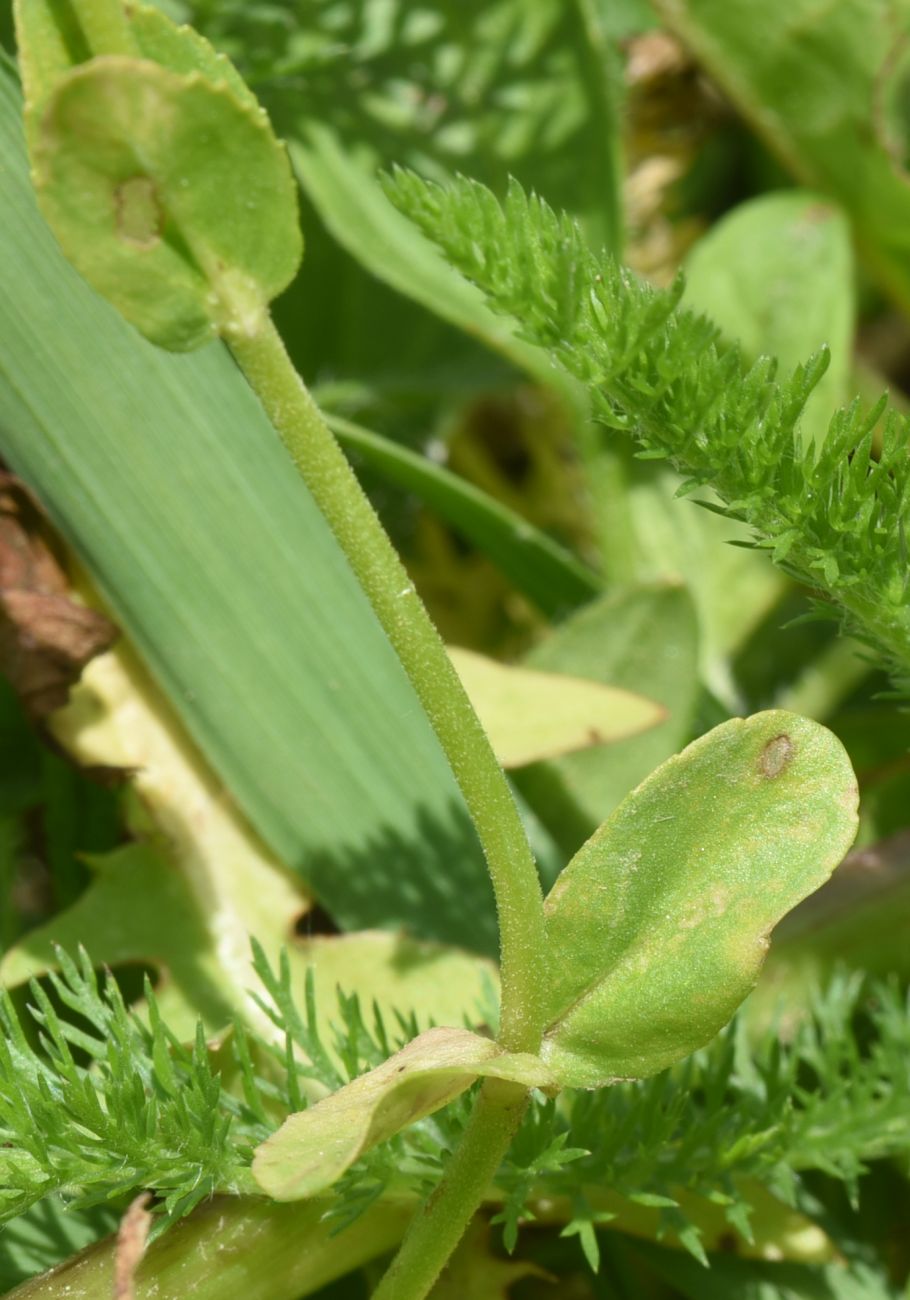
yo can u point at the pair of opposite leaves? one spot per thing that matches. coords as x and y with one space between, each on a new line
655 934
165 186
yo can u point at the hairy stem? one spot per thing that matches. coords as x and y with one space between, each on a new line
322 464
439 1225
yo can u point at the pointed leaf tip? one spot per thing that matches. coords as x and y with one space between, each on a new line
532 715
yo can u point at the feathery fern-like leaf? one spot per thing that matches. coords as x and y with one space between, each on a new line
831 516
107 1105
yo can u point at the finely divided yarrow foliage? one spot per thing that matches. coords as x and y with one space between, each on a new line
108 1104
832 517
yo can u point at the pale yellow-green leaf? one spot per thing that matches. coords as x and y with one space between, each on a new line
313 1148
139 909
531 715
186 898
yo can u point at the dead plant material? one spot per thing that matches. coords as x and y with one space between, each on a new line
46 636
132 1236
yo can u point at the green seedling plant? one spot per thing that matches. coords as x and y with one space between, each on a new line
167 189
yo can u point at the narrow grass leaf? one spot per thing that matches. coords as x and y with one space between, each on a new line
164 475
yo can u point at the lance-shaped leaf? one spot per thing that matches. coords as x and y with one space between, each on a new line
658 927
531 715
313 1148
170 194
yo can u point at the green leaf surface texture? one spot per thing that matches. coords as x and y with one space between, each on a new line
658 927
52 40
183 50
165 476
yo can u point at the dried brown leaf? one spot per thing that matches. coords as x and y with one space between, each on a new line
46 637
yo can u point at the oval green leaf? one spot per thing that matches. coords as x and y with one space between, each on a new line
531 715
170 195
658 927
313 1148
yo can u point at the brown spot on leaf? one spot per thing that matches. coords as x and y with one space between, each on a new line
816 213
775 756
46 637
138 212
